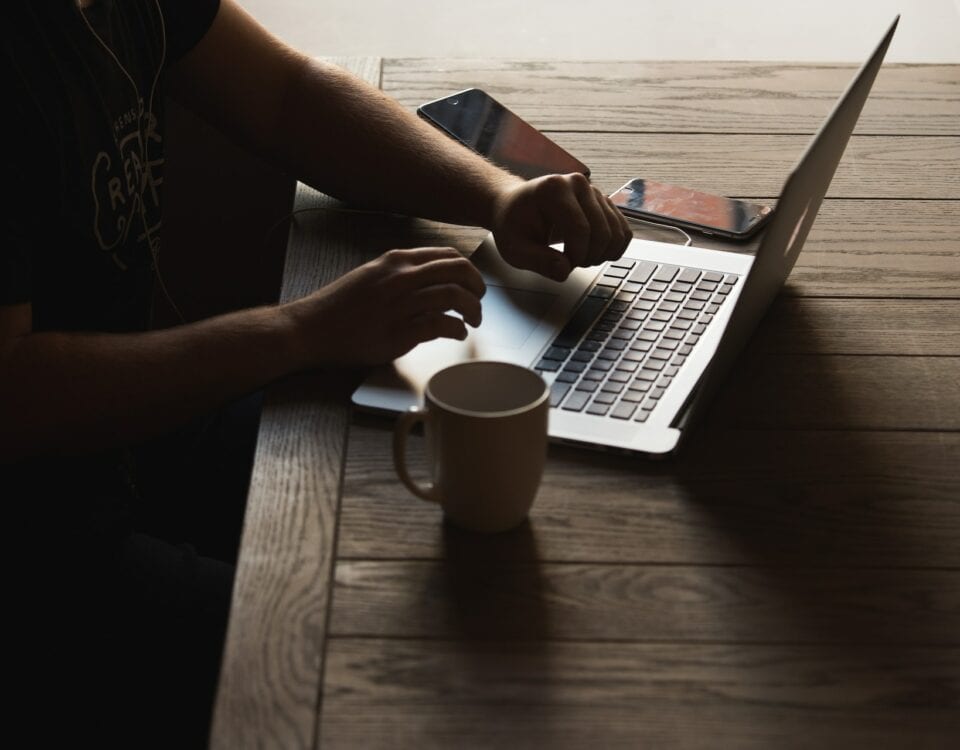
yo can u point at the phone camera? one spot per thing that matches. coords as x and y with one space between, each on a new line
454 102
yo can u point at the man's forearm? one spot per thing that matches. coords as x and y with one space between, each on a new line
74 392
350 140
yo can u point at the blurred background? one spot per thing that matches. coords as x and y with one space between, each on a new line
811 30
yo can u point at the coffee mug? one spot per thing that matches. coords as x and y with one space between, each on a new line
486 429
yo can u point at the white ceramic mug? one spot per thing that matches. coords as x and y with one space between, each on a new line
486 429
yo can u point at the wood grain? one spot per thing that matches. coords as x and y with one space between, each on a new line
272 665
664 96
475 596
426 694
731 497
902 167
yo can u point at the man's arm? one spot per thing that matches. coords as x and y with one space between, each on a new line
78 393
350 140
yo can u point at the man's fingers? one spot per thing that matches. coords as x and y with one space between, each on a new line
446 270
443 297
543 259
429 327
620 231
419 255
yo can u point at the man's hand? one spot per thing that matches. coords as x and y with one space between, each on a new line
530 216
384 308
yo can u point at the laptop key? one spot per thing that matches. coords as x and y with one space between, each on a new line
579 324
613 387
594 375
731 279
574 367
627 263
641 274
688 275
713 276
602 365
567 377
579 356
631 287
616 273
625 365
599 410
623 410
557 352
605 398
619 376
633 396
588 385
666 273
641 416
576 401
557 391
548 365
633 357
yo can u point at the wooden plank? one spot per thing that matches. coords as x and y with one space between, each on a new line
860 248
475 595
426 694
270 679
654 96
730 497
861 326
783 391
903 167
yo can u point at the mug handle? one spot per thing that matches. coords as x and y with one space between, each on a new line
404 424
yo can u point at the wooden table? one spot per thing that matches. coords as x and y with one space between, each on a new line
792 579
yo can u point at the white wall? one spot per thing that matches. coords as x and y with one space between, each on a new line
807 30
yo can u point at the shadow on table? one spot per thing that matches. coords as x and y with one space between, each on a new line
833 532
498 614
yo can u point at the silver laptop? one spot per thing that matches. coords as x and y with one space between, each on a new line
633 349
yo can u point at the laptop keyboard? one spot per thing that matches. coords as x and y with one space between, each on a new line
627 341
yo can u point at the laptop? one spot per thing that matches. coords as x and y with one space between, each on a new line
632 350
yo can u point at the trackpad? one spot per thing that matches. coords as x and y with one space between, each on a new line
510 315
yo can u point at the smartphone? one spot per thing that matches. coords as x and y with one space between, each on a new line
482 124
690 209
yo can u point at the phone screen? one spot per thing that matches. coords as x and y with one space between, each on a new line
690 208
481 123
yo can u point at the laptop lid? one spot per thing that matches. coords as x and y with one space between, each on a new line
800 200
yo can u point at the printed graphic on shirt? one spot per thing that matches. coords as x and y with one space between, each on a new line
125 183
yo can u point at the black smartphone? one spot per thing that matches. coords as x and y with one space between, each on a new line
691 209
481 123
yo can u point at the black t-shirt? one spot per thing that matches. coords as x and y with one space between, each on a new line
84 154
82 134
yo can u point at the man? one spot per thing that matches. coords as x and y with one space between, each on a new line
87 389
